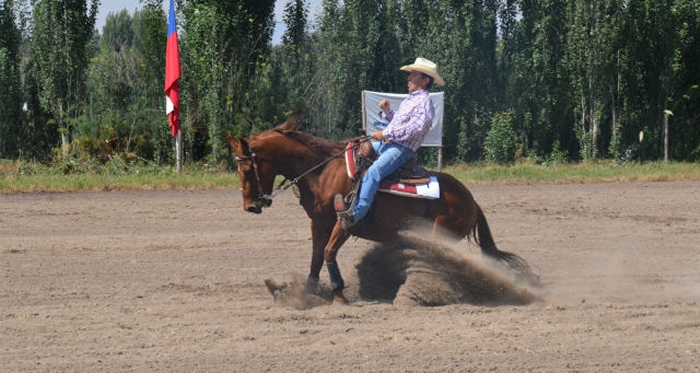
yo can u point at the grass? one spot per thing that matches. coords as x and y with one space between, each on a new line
19 177
23 177
587 172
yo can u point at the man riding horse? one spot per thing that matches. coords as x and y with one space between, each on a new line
398 143
313 165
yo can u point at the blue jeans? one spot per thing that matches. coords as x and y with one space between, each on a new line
391 157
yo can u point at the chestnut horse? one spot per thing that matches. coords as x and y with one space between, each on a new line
318 170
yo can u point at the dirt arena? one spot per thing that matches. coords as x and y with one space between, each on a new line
174 281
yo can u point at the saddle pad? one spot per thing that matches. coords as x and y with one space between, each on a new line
430 190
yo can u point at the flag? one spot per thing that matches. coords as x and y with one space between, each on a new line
172 74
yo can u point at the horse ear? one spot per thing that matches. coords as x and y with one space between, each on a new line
245 148
233 141
238 145
296 121
293 123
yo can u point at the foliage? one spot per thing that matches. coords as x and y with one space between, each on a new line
501 141
546 81
10 84
225 44
62 33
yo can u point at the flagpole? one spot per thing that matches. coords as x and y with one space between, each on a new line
178 151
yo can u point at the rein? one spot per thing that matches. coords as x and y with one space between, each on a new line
355 143
282 187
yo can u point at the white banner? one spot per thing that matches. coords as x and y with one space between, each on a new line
374 122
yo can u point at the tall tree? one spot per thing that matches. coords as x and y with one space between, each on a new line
118 62
296 13
63 30
685 134
460 36
294 58
123 91
150 28
10 85
539 91
651 54
593 58
359 49
223 46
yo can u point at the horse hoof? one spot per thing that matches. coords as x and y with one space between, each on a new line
311 285
339 299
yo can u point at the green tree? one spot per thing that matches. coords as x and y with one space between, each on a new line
123 90
63 31
650 53
539 92
357 50
223 46
119 63
296 13
292 66
150 29
685 133
461 37
501 142
10 85
593 58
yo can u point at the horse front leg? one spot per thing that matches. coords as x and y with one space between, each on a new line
319 237
337 239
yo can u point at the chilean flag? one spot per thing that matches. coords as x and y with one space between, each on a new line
172 74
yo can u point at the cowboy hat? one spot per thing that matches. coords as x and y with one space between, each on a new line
427 67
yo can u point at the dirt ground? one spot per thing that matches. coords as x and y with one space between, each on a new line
173 281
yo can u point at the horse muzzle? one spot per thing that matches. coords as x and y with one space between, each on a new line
257 205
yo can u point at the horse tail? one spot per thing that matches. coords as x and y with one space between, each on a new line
482 236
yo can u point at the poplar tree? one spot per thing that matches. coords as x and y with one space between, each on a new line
63 30
224 45
10 85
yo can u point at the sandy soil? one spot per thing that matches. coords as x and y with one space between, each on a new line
173 281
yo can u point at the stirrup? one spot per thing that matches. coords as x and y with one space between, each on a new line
345 214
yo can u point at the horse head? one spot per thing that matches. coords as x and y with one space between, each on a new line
257 175
258 159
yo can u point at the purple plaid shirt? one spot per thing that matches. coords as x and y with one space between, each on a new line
409 125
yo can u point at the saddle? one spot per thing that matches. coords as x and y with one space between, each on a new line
409 180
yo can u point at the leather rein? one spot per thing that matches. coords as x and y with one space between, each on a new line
267 198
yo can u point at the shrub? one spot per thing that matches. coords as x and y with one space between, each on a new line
501 141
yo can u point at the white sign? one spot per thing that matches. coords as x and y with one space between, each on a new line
374 122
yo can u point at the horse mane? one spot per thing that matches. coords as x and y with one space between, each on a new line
322 147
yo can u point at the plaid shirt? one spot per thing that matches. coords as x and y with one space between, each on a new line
409 125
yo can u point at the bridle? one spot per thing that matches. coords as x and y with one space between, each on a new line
266 198
263 197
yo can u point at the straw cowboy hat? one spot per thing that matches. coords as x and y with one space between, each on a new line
427 67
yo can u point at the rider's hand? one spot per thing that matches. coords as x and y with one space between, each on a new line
384 105
378 135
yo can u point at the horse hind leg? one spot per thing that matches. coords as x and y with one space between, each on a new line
452 228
